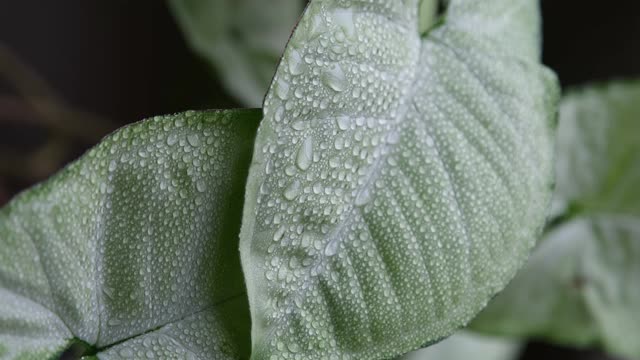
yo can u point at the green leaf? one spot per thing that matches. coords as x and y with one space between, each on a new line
133 248
398 182
241 40
427 15
466 345
580 286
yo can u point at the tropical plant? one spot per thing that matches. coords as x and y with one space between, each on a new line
397 177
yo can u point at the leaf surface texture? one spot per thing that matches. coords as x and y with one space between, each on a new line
398 182
133 248
580 286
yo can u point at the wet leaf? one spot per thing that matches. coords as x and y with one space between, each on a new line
580 286
133 248
398 182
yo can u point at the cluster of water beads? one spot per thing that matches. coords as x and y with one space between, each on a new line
370 163
334 130
196 337
138 223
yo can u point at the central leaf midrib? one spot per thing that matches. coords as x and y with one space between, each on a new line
377 166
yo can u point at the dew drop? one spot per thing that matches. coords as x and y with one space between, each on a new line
305 154
194 140
269 167
393 137
334 162
279 233
292 190
299 125
343 122
332 247
335 78
307 239
294 348
282 89
290 170
279 116
296 64
126 353
344 19
201 186
270 275
430 142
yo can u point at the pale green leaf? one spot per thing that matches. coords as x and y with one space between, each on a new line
133 248
241 39
427 15
398 182
581 285
468 346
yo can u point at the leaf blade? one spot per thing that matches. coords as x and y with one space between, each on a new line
579 275
328 161
128 239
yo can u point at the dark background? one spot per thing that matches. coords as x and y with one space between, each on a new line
73 70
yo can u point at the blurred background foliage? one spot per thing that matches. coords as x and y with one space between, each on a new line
71 71
241 40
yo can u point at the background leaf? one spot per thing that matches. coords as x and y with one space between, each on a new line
242 42
398 182
580 286
133 248
466 345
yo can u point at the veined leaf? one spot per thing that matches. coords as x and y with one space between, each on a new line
465 346
398 182
241 39
581 285
133 248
